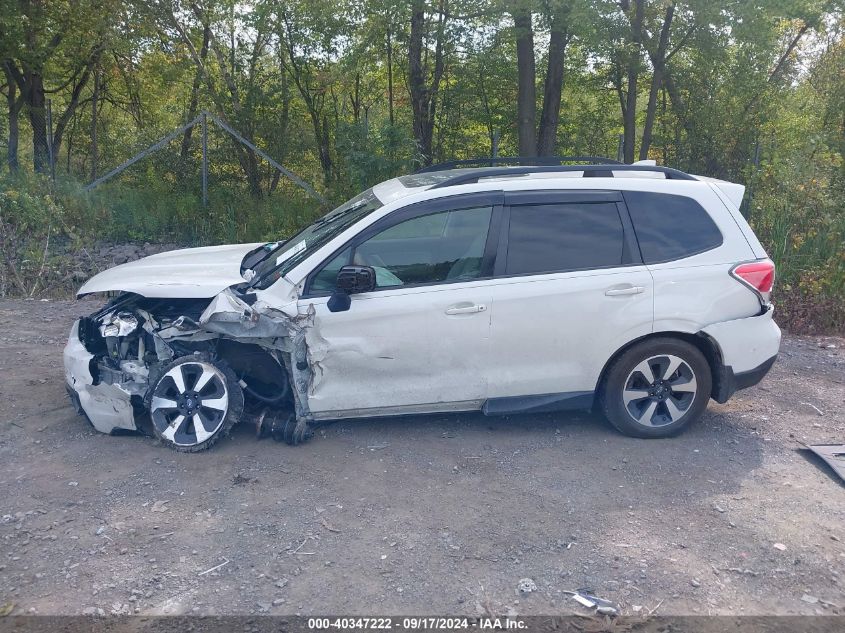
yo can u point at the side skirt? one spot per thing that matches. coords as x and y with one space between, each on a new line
414 409
542 403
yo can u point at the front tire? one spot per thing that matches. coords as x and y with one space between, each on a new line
194 402
656 388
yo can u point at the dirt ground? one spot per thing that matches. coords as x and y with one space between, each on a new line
423 515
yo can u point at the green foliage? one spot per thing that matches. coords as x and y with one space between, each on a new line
29 218
753 92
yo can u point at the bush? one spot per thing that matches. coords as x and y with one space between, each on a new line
45 231
31 220
800 218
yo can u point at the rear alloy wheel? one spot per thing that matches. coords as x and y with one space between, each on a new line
194 402
657 388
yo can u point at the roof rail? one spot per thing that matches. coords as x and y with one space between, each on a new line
495 161
594 171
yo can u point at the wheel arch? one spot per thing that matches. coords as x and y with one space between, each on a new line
257 367
702 341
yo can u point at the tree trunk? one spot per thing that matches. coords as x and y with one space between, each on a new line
678 104
424 95
35 102
390 78
355 99
633 68
526 99
321 135
69 152
552 91
14 104
420 95
95 106
658 61
629 120
76 93
194 102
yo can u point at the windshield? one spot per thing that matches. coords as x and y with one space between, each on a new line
281 258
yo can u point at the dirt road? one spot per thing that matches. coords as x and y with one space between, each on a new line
437 514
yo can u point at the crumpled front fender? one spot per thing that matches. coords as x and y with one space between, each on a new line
107 407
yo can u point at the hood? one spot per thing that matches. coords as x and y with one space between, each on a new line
189 273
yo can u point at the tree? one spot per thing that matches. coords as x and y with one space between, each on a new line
308 34
46 36
542 141
526 100
632 60
424 78
558 14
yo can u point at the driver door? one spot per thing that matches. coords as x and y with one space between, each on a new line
419 342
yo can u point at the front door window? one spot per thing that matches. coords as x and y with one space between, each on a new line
434 248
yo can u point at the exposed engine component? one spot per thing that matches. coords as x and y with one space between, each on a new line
285 428
118 324
116 328
155 357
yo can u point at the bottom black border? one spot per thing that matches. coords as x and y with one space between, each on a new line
528 624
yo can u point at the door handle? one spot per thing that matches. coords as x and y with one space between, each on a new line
463 308
619 292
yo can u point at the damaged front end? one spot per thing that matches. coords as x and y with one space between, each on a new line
187 370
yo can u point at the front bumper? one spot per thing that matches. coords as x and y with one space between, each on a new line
107 407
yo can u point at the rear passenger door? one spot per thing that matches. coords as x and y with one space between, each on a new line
569 290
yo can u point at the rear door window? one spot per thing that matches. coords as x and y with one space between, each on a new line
670 227
558 237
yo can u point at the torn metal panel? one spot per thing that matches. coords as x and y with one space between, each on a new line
108 407
230 315
131 340
833 455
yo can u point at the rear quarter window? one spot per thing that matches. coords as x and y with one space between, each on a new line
670 227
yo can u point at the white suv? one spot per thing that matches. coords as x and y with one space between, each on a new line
636 290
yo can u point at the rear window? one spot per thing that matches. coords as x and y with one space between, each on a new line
670 227
559 237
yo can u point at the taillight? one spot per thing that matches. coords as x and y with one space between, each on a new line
759 276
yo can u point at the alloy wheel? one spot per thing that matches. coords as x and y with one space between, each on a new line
189 403
659 390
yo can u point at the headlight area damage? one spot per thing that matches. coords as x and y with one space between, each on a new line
188 369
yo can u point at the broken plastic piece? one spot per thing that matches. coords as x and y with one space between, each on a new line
583 600
833 455
602 606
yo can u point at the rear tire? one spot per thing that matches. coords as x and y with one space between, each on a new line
656 388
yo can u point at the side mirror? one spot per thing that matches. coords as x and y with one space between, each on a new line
351 280
355 279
